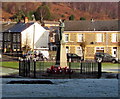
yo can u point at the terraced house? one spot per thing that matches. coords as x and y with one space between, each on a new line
25 35
85 38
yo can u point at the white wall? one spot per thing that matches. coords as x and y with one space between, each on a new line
40 36
1 36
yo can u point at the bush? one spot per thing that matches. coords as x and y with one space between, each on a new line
71 17
82 18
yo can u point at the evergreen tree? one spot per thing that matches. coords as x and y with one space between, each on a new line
29 15
82 18
19 16
71 17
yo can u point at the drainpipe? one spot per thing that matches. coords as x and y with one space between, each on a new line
106 42
33 38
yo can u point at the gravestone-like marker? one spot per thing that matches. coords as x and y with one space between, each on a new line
61 57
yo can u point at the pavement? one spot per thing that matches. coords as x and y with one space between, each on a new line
111 70
61 88
7 71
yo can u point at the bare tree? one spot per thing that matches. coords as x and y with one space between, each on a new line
83 45
43 13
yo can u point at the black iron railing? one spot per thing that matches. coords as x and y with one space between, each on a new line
38 69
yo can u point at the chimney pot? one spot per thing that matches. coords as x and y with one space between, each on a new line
92 20
26 20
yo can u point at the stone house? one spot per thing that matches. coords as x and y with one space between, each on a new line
96 36
22 34
4 26
85 38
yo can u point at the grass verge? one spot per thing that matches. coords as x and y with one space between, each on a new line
14 65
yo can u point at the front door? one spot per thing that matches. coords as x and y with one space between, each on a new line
114 51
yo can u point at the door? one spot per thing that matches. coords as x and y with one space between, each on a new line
114 51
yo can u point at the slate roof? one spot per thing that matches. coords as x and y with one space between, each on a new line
19 27
6 26
51 22
45 27
86 25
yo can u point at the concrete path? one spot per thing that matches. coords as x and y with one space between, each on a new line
62 88
7 71
111 70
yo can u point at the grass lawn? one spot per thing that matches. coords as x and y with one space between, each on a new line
46 65
109 66
14 64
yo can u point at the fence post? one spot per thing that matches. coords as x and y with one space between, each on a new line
99 70
24 67
29 68
34 68
81 68
70 68
19 68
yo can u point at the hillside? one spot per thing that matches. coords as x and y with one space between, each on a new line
98 11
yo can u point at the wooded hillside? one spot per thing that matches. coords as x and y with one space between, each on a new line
88 10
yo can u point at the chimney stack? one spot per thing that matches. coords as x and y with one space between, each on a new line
92 20
26 20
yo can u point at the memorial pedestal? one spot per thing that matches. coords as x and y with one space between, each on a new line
61 58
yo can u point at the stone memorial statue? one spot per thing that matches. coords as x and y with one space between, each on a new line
61 58
61 28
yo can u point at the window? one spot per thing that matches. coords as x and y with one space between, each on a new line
114 37
80 37
114 51
79 51
54 48
66 37
9 36
67 49
99 49
14 37
16 46
5 37
74 55
53 38
99 37
18 37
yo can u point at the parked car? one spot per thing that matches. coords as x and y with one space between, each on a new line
105 57
73 57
